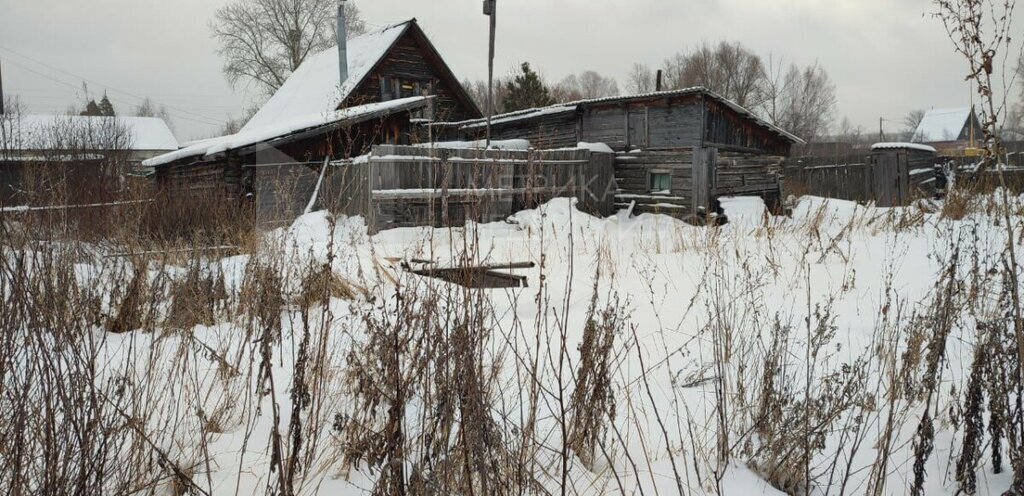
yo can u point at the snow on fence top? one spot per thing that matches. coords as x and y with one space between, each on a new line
314 87
513 144
903 146
942 125
292 125
58 132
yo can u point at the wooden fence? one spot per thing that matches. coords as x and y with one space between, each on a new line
402 186
887 177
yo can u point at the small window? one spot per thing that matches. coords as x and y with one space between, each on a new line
661 183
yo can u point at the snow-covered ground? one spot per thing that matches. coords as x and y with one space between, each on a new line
698 313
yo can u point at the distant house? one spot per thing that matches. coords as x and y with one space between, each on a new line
85 153
950 131
676 151
45 136
326 111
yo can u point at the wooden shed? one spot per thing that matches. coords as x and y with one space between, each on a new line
677 152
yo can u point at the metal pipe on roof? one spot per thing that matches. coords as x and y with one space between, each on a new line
342 44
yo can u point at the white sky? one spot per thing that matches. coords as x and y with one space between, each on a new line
887 57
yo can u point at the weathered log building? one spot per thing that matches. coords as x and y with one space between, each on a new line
676 151
338 104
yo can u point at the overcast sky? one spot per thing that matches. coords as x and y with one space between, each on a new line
887 57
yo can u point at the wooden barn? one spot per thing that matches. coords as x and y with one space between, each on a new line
677 152
338 104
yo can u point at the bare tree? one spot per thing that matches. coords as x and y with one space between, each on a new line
728 69
801 101
235 124
10 127
149 108
478 92
586 85
641 79
981 32
567 90
594 85
912 121
850 133
264 41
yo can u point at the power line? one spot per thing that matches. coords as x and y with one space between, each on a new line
202 119
107 86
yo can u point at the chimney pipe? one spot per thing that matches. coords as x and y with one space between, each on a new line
342 44
658 83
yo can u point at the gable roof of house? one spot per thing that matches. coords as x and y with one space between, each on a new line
36 132
942 124
289 127
578 105
314 87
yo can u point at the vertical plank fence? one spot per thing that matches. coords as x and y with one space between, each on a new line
405 186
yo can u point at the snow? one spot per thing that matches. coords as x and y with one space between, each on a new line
595 147
685 292
513 144
903 146
942 125
314 87
282 128
36 132
522 115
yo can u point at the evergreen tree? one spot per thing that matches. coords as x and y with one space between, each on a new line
91 109
107 108
526 91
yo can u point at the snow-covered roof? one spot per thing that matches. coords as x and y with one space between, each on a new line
572 106
903 146
942 125
50 132
314 87
288 126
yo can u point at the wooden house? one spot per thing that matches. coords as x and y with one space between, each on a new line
676 151
954 132
338 104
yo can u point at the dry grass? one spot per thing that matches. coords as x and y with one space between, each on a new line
116 381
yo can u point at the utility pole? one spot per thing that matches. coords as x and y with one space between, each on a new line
490 10
1 88
881 133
